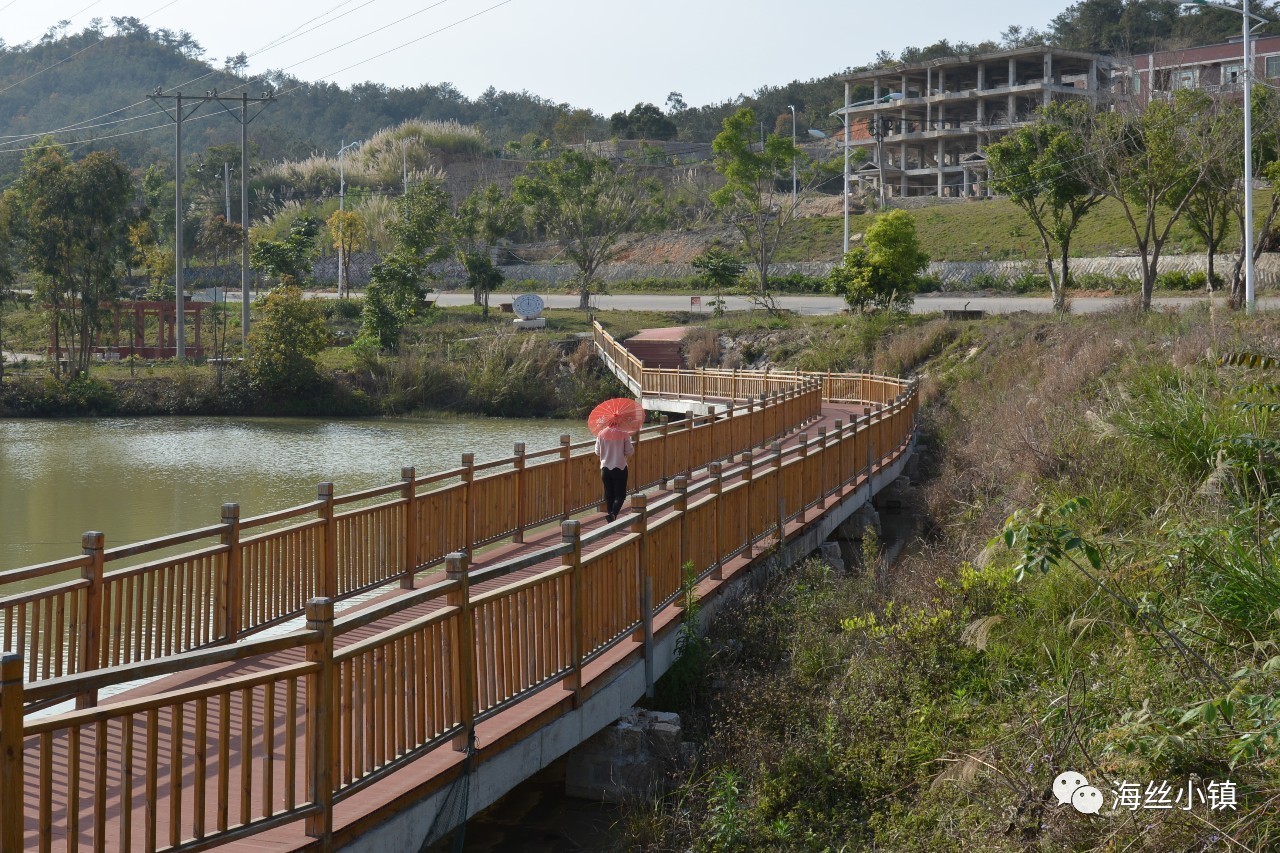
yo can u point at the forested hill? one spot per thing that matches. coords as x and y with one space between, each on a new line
95 83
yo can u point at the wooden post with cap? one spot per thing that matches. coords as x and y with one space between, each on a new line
327 583
455 569
804 470
11 771
321 722
565 452
518 536
571 535
92 545
408 493
468 501
776 447
717 516
231 589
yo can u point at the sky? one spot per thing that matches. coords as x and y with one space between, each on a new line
600 54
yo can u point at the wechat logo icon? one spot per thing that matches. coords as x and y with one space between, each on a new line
1071 787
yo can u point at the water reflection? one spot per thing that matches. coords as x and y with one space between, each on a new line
136 479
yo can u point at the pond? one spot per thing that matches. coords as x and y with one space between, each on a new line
136 479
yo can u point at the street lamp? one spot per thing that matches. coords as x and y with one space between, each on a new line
342 195
404 159
1246 16
793 158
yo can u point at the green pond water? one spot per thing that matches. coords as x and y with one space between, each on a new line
136 479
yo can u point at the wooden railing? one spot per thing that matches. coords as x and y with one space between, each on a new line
740 385
231 758
248 574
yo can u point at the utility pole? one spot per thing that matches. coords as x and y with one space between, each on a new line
845 116
179 115
226 188
793 158
879 126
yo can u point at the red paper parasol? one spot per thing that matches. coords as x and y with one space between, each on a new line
621 412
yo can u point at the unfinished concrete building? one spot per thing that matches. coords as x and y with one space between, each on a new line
927 123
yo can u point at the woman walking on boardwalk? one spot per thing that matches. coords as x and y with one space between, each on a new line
612 422
613 446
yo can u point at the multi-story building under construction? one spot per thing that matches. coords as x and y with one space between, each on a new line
928 123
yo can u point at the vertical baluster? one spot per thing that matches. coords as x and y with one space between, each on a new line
176 714
151 770
268 748
126 783
290 747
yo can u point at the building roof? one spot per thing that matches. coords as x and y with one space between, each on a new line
1208 53
971 59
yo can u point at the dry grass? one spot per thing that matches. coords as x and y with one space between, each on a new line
701 348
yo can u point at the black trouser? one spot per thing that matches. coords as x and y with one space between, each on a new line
615 489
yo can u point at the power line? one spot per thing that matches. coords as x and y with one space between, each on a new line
291 90
277 42
389 50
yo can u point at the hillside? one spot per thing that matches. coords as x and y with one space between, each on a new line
95 83
1124 628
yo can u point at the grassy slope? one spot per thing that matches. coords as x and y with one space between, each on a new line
990 230
931 709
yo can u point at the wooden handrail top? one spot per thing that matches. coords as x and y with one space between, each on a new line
518 564
281 514
53 567
360 618
493 463
392 634
296 528
87 716
66 686
368 494
43 592
512 589
121 552
438 476
143 568
621 544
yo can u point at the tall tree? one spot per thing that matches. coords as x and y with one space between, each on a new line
1037 167
1212 201
284 343
398 287
346 229
590 204
1151 162
750 196
288 260
885 271
73 217
481 220
720 270
643 121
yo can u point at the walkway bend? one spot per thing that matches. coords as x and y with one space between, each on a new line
479 610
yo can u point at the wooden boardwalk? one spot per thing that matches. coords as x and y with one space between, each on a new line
309 737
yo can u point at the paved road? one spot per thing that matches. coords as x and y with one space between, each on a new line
833 304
